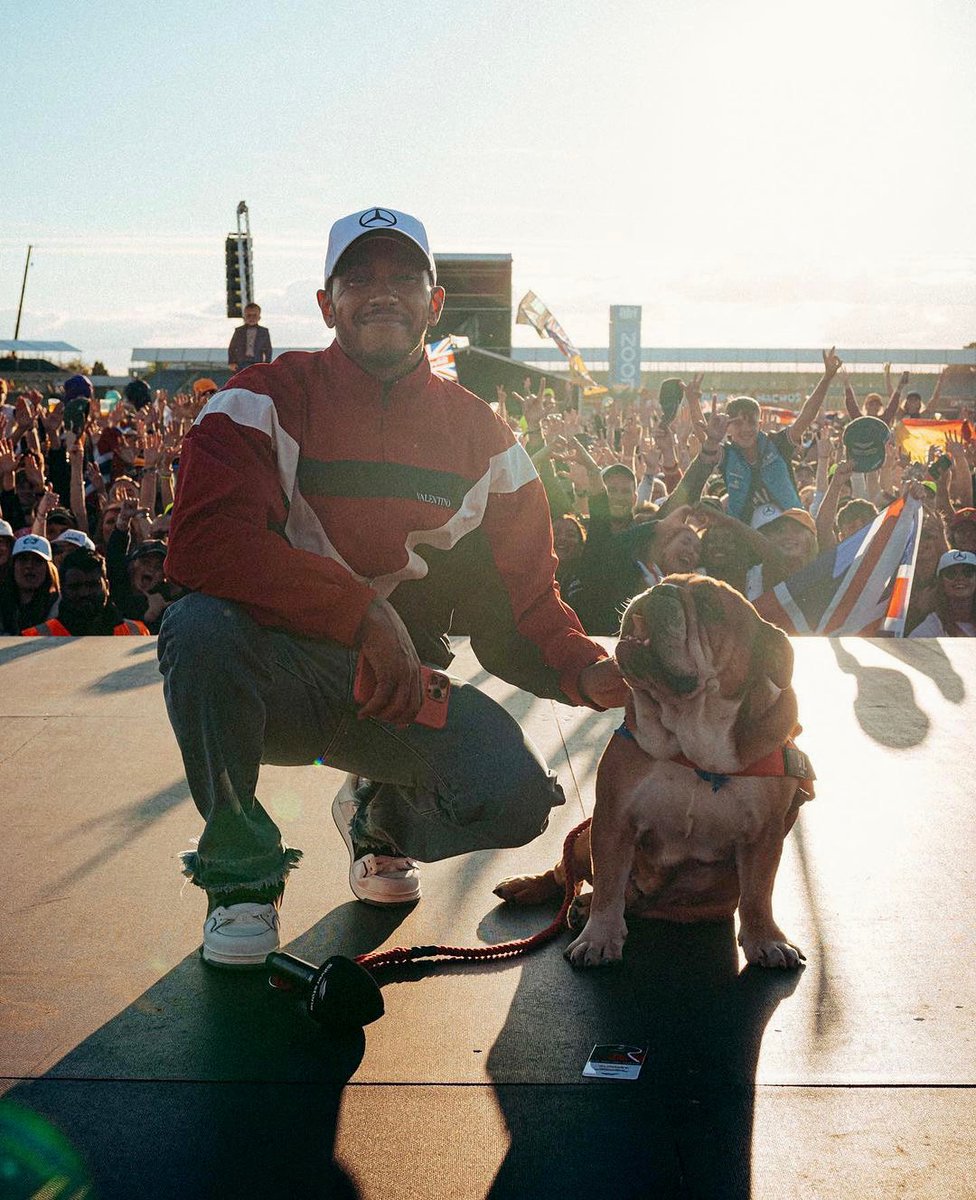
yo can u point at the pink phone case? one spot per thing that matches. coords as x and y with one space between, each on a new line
436 686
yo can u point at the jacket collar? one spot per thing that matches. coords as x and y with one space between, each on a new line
407 387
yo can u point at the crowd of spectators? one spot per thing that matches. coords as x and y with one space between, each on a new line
645 488
86 498
642 487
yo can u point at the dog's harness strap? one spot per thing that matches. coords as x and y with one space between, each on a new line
711 777
787 760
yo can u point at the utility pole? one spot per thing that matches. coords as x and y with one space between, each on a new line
23 288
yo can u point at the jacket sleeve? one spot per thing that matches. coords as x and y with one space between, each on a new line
519 534
234 350
227 537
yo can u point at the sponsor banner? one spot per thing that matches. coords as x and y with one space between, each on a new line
625 345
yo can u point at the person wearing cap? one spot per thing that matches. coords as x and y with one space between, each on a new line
779 544
59 520
757 467
338 506
954 611
250 343
149 592
932 545
203 389
86 609
30 591
7 540
961 529
71 539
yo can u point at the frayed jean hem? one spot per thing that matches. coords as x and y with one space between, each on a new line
249 874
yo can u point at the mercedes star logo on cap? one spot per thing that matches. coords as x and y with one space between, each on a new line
379 217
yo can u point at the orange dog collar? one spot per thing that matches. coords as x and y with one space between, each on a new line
786 760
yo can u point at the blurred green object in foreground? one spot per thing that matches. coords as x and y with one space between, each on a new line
36 1159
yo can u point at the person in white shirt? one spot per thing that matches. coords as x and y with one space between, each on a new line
954 614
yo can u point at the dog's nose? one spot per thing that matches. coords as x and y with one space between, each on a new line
668 623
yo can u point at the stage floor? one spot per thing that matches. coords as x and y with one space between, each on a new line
119 1048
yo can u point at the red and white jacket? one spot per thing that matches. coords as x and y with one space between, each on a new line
307 487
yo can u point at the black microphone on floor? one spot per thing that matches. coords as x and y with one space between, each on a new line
339 994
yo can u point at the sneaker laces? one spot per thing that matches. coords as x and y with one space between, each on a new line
387 864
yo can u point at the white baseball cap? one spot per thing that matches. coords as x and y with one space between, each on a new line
76 538
387 221
6 529
956 558
764 514
30 543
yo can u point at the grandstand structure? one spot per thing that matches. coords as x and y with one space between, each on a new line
774 375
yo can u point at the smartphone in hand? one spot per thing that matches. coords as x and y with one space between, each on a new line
436 691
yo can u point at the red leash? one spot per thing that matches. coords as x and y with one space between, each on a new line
408 954
342 992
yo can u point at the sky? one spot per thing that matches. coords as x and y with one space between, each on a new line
752 174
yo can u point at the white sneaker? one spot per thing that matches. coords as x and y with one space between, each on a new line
240 935
378 876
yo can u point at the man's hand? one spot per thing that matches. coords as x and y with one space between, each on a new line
155 607
845 469
49 500
33 470
386 645
630 437
831 361
602 683
127 510
532 406
8 457
716 426
53 420
152 450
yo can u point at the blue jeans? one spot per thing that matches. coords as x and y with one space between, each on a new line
239 694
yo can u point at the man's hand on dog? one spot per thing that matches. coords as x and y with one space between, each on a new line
602 683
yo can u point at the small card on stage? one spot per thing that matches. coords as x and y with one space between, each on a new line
615 1062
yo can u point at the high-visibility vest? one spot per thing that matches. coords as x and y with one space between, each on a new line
54 628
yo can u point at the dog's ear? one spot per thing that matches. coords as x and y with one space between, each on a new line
633 623
773 655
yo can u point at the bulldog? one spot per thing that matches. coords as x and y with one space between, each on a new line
698 788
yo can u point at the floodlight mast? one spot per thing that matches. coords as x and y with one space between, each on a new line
244 259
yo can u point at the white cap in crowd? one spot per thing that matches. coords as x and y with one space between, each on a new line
6 529
387 221
30 543
956 558
764 514
76 538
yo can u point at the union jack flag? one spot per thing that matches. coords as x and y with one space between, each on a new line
443 364
861 587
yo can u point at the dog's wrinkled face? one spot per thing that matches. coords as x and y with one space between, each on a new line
709 676
690 632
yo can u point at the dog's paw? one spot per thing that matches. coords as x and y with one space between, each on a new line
599 945
579 912
772 950
529 889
